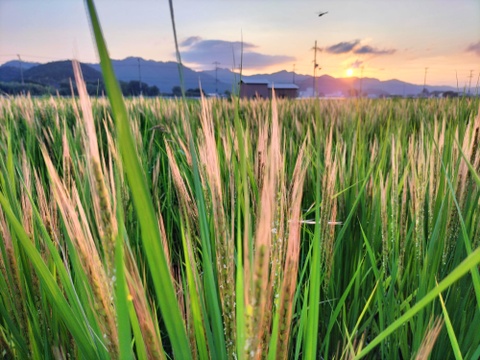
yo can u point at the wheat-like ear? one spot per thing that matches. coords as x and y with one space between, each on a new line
78 230
224 243
146 318
429 340
105 220
289 281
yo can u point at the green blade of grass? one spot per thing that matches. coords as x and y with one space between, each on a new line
340 306
150 232
450 331
192 275
52 290
208 260
465 266
311 331
121 288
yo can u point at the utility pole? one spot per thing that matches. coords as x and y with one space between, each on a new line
21 74
293 73
216 63
425 81
470 82
139 76
315 65
361 80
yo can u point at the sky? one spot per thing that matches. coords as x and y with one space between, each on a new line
432 41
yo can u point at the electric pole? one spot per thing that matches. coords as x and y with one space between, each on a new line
361 80
293 73
425 81
216 63
139 76
470 82
21 74
315 65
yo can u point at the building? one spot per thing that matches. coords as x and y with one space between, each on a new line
252 89
260 88
284 91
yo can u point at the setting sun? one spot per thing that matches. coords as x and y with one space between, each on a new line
349 72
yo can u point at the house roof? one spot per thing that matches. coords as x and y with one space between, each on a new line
283 86
255 81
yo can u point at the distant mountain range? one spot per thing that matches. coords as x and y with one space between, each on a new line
164 75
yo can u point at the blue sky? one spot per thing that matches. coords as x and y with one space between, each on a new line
377 38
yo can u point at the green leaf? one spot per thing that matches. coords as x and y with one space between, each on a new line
150 232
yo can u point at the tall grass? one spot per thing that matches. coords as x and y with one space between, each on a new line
239 186
153 228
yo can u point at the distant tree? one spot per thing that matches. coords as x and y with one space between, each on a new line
14 88
152 91
177 91
450 94
194 92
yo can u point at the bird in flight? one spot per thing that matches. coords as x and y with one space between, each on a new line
322 13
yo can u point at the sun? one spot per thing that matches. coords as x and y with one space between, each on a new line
349 72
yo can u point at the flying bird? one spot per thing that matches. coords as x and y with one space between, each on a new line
322 13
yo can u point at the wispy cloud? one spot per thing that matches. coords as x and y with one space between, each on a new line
356 47
356 64
367 49
342 47
203 53
474 48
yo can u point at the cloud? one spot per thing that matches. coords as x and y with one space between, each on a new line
367 49
342 47
356 64
355 47
474 48
203 53
190 41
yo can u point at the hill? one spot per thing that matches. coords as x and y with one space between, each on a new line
164 75
59 73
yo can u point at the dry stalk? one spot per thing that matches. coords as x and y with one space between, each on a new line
152 340
105 220
289 282
429 340
78 230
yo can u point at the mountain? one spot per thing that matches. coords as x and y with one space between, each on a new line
10 73
164 75
327 85
59 72
25 65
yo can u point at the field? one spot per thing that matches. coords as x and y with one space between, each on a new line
231 229
282 229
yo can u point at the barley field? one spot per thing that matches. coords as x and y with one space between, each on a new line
230 229
275 229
